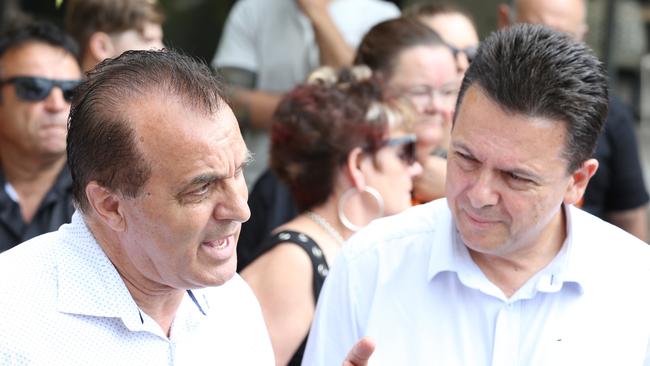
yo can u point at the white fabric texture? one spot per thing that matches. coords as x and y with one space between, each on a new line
62 302
409 282
275 40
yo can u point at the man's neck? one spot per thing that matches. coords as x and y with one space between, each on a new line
31 179
158 301
511 271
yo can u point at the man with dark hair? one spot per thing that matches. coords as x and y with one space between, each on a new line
617 192
106 28
505 270
38 74
145 273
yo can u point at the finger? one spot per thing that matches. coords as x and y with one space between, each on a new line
360 353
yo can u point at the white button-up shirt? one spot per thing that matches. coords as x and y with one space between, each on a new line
409 282
62 302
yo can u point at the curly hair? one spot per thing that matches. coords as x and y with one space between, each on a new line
319 123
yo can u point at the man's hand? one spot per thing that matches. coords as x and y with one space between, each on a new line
360 353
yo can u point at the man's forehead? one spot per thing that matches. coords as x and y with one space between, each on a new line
37 55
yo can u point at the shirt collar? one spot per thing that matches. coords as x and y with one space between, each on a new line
89 284
449 253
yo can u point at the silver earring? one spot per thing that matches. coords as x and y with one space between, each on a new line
346 195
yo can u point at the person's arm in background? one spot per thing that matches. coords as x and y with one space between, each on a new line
237 61
626 204
634 221
252 107
334 51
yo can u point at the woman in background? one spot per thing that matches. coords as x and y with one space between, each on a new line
419 66
346 151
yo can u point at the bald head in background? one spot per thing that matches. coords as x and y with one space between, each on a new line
568 16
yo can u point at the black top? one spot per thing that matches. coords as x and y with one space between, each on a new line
271 205
55 210
318 263
618 183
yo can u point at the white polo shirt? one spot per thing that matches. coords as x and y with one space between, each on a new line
276 41
409 282
62 302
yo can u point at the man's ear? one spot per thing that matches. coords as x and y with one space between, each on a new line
504 16
353 168
106 206
100 46
579 180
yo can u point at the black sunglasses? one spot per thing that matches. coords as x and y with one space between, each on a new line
407 147
36 89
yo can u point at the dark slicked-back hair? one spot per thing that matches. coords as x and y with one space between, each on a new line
37 31
101 137
535 71
381 46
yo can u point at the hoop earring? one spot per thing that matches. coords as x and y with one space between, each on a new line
346 195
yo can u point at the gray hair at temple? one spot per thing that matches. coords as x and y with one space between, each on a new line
538 72
101 142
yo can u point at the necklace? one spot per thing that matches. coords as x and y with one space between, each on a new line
318 219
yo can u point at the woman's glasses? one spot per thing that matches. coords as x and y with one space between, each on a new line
406 144
36 89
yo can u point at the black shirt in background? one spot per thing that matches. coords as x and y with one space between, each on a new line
55 210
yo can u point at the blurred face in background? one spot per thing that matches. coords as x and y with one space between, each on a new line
393 169
568 16
459 33
35 99
427 76
150 37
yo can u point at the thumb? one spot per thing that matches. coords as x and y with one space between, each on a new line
360 353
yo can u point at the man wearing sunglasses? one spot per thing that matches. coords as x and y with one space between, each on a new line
38 74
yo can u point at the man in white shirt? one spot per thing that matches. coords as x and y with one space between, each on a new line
504 271
270 46
145 273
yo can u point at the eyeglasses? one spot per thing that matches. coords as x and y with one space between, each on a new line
424 95
406 153
35 89
469 52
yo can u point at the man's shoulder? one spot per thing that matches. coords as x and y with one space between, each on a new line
609 243
415 226
29 257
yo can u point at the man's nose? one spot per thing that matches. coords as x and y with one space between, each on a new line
233 205
482 193
55 101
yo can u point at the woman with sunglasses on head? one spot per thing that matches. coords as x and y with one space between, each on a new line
347 154
419 66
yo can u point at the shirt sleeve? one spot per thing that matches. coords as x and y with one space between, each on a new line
335 327
237 44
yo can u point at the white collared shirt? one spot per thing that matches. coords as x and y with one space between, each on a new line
409 282
62 302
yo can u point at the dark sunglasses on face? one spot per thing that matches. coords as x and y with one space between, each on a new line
36 89
406 144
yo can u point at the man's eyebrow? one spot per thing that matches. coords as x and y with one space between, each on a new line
200 180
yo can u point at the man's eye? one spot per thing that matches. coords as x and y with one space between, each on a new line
201 191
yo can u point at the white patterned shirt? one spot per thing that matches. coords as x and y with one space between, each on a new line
62 302
409 282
